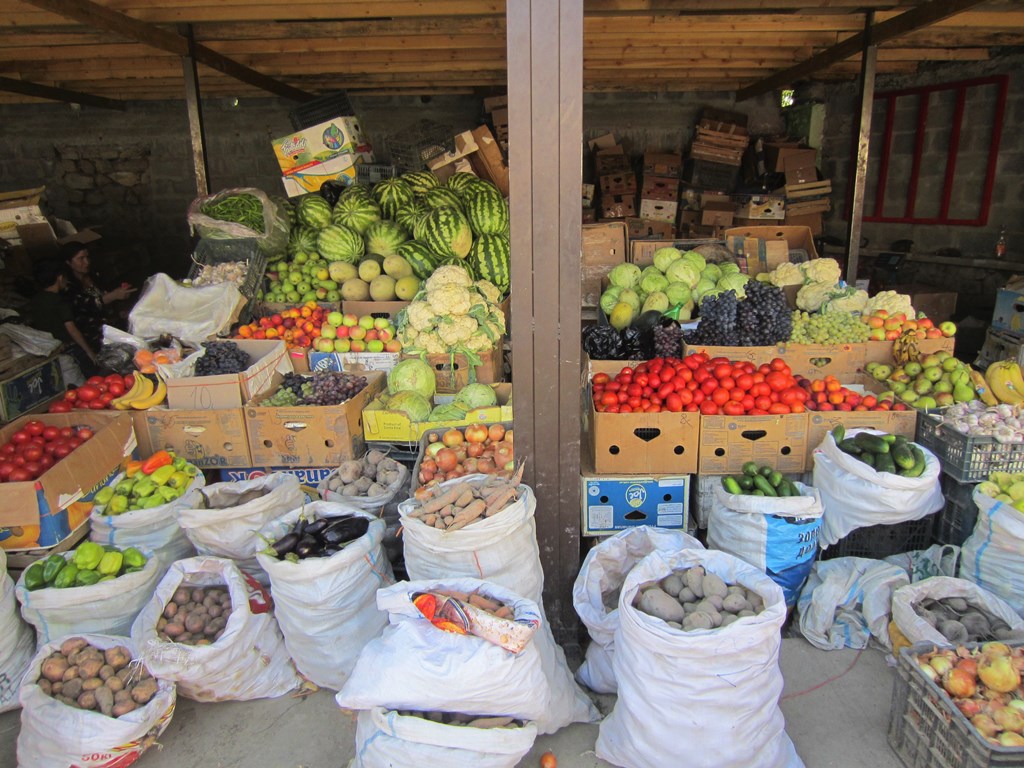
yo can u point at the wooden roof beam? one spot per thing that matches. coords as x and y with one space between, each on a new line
921 16
38 91
94 15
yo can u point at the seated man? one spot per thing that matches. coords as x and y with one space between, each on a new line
49 311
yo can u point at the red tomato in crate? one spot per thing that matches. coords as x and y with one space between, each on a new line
34 428
88 393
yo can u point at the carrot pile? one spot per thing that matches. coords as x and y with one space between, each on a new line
456 506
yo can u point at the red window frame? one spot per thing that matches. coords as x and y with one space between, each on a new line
924 92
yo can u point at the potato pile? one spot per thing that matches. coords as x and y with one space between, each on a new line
490 605
369 476
469 721
86 677
195 615
692 598
453 507
961 621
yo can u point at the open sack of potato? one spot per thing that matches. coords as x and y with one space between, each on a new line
88 701
386 738
155 529
671 652
89 589
201 630
855 495
779 535
369 483
993 555
595 594
326 601
17 641
223 518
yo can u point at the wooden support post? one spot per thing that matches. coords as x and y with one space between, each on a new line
194 104
869 57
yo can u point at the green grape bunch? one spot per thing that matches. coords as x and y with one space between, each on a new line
828 328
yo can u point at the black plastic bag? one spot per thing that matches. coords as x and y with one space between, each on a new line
637 345
331 191
602 342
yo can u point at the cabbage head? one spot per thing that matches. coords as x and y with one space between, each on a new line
412 404
684 272
477 396
702 288
734 283
729 268
609 299
663 258
713 292
630 297
413 375
625 275
447 412
677 293
696 259
657 301
711 272
653 282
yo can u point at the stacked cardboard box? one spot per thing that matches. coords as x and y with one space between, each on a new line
329 151
497 108
720 140
616 181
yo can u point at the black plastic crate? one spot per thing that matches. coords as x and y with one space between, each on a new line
927 731
880 541
213 251
320 110
371 173
964 458
956 520
710 175
411 148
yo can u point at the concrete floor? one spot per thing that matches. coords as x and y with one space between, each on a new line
842 723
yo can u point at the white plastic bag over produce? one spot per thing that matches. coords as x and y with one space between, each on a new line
219 525
17 641
993 555
777 535
856 496
55 734
155 529
374 504
917 630
386 739
249 661
327 606
191 314
106 608
847 600
595 595
711 695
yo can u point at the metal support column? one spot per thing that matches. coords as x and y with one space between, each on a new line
869 57
545 80
194 104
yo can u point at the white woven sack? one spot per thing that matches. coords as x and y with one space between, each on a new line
17 641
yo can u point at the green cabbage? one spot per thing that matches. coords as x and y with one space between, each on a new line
677 293
713 292
657 301
683 271
630 297
653 282
729 268
734 283
711 272
477 396
702 288
447 412
663 257
413 375
609 299
412 404
696 259
624 275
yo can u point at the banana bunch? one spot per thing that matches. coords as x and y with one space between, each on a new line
143 394
904 349
1005 383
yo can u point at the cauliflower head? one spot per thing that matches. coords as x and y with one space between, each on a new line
479 342
786 274
453 331
813 295
847 299
450 274
450 299
489 291
431 343
891 302
420 316
822 271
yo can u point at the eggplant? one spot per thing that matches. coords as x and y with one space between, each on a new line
344 530
285 544
328 551
300 527
308 546
316 527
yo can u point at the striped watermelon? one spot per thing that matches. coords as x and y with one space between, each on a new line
314 211
455 261
287 208
446 231
460 180
442 197
356 190
355 213
420 181
302 239
392 194
409 215
487 212
422 260
338 243
490 258
384 237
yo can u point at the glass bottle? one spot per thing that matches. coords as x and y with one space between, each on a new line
1001 244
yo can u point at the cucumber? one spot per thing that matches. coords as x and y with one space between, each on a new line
838 433
750 468
766 472
871 443
764 486
890 439
746 482
783 489
850 446
775 478
902 456
884 463
900 440
868 458
919 462
791 487
757 492
731 485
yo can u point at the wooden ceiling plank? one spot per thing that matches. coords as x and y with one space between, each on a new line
200 11
615 7
243 30
95 15
920 16
52 93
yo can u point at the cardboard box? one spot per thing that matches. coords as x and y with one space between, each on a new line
299 357
231 390
662 164
718 213
375 308
615 502
452 372
618 184
641 443
651 229
587 192
618 207
604 247
660 188
313 176
776 155
20 208
728 442
641 252
763 207
1008 314
611 160
29 382
465 145
881 351
1000 345
659 210
938 305
68 485
820 423
766 247
308 435
355 362
589 216
309 477
210 439
487 161
815 361
801 167
813 221
341 137
382 425
492 103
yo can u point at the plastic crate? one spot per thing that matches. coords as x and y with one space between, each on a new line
711 175
880 541
371 173
927 731
956 520
320 110
415 145
210 252
967 459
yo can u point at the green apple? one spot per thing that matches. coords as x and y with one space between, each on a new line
328 331
303 287
322 273
358 345
950 364
334 318
366 321
933 373
321 294
292 296
375 346
324 345
349 319
912 368
342 345
381 322
333 296
925 402
295 277
357 333
300 258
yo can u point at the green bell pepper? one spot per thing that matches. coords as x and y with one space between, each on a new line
143 488
106 578
111 563
34 577
117 505
53 565
66 578
124 487
166 493
88 555
87 578
133 558
179 480
156 500
104 495
162 475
